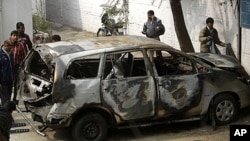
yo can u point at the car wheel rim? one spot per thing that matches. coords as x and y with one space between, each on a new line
90 130
225 110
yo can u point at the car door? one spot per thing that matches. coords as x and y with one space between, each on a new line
179 87
34 77
127 88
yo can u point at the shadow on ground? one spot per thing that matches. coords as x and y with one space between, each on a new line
162 132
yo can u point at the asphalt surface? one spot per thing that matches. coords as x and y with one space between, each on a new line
189 131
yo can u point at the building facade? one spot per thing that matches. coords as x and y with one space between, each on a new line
11 12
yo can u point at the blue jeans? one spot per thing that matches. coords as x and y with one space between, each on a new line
6 91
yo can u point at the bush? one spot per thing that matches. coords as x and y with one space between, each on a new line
40 24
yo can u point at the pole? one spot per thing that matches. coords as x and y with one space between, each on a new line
30 123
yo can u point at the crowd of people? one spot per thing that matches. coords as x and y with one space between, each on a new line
12 53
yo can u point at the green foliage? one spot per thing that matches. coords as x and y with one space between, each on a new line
112 11
117 9
40 24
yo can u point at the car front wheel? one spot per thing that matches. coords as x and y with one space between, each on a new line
225 108
91 127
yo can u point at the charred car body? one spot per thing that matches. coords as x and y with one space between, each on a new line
96 83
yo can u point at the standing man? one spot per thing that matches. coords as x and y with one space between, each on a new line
209 37
19 52
153 28
22 37
6 71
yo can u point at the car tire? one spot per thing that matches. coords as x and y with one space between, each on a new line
225 109
91 127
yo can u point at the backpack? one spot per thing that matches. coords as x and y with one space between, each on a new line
160 28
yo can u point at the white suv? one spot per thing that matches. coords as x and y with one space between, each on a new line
96 83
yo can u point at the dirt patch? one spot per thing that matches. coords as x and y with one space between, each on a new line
69 33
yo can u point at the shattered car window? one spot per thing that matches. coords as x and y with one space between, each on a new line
169 63
38 67
125 64
86 67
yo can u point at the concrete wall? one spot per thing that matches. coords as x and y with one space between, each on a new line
14 11
82 14
245 49
85 15
39 7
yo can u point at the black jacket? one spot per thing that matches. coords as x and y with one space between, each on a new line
150 27
6 67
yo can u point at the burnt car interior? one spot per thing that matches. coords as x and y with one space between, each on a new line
126 64
40 80
168 63
83 68
38 67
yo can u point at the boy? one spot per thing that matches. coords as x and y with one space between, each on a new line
19 52
6 71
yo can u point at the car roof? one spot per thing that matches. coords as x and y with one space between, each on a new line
70 49
95 43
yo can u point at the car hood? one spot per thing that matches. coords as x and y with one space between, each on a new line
220 61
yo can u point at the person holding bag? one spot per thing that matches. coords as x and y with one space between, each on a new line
208 38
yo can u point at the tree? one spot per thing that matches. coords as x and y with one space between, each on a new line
180 26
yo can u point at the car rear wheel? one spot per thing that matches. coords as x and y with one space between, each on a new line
101 32
225 108
91 127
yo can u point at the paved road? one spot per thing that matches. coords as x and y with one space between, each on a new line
191 131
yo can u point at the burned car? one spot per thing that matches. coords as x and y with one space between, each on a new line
96 83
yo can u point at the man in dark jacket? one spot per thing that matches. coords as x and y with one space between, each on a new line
153 28
6 71
209 37
6 120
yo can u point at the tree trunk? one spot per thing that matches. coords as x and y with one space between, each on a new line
180 27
